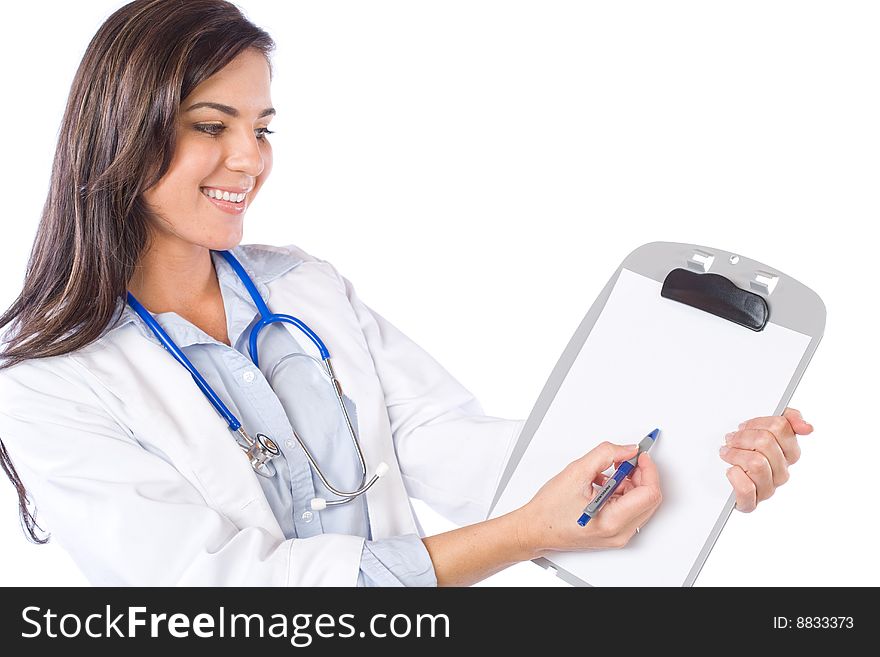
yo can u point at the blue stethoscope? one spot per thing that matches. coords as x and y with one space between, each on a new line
261 450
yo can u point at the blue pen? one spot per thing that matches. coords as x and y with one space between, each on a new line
616 479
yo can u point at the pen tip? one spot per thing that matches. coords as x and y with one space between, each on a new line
653 435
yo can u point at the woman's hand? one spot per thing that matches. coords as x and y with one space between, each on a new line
760 453
549 521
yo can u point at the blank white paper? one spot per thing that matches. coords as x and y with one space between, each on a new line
651 362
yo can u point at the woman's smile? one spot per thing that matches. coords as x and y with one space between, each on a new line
231 203
229 207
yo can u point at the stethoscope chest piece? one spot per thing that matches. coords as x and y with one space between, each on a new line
260 451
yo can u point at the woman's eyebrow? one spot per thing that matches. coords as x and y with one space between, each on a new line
231 111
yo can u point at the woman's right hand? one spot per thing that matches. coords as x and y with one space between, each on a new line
549 521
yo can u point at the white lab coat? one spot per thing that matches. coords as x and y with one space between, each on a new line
136 475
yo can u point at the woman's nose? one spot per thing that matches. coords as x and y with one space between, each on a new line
246 155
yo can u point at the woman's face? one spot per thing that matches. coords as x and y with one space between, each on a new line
222 146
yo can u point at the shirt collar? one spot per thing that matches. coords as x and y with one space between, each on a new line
262 263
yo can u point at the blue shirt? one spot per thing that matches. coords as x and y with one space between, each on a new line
300 397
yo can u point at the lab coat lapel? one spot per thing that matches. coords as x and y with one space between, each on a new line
316 296
165 410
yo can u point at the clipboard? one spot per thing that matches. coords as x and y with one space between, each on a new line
687 338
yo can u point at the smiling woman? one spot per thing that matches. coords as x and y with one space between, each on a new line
135 309
131 373
129 171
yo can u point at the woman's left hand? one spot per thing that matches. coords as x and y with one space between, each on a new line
760 452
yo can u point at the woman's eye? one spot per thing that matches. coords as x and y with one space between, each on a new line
210 129
214 130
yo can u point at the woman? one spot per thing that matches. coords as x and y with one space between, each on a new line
164 146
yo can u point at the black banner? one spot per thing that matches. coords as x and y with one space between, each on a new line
324 621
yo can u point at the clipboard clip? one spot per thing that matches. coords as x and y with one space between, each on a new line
715 294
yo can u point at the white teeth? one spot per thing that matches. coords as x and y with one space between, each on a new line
224 196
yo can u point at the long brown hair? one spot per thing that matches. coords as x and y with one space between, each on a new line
116 141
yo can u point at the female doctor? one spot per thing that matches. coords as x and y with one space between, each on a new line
170 434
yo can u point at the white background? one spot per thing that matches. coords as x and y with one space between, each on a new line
479 170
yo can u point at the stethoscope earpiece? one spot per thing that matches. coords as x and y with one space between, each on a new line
319 503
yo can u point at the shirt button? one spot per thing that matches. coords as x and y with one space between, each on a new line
249 376
307 516
289 443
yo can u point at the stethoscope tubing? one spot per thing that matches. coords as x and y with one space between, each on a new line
181 358
266 318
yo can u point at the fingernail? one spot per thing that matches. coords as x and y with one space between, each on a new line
728 437
628 447
724 449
